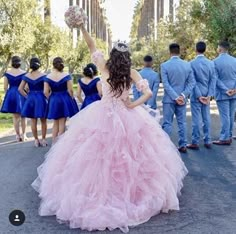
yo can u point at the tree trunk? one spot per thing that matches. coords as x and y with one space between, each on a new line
5 65
47 64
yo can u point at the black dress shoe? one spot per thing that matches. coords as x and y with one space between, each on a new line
208 146
193 146
228 142
182 150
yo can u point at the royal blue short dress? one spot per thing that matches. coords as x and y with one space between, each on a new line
60 104
13 100
90 92
36 103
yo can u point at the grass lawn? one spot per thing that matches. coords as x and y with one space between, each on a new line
1 89
5 122
5 119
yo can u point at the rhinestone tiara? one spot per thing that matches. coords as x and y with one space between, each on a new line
121 46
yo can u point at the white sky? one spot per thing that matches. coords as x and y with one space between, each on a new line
119 14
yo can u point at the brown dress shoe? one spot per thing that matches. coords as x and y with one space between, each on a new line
182 150
208 146
228 142
193 146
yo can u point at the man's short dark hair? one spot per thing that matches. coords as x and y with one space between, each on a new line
225 45
147 59
174 48
201 47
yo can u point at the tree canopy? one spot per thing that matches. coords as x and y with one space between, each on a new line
23 32
208 20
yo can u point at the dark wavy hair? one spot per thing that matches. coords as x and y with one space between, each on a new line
35 64
15 61
119 67
58 64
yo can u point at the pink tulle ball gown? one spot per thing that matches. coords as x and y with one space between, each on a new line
113 168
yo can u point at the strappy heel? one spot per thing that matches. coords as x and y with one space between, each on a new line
36 143
18 138
24 137
44 143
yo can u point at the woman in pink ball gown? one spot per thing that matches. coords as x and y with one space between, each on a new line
114 167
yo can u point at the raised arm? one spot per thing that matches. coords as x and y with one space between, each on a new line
88 39
143 86
97 56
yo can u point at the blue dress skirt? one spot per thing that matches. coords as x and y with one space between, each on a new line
13 100
60 104
36 103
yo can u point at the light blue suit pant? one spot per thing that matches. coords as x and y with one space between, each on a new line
226 110
169 110
201 117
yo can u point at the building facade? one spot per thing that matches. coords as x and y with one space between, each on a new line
154 10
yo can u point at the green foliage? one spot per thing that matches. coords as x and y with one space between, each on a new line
16 26
208 20
219 17
24 33
136 19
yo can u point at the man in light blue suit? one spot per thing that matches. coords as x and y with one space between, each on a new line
225 92
204 74
153 79
178 81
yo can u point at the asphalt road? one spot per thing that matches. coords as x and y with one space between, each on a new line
208 201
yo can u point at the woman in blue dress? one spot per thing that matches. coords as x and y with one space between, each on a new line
90 85
35 105
58 88
13 100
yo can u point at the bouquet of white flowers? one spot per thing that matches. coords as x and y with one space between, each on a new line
73 15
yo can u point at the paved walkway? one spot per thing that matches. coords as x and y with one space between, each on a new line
208 201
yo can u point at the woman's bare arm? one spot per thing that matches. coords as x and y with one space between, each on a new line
99 88
46 90
70 88
79 94
88 39
21 88
99 61
147 93
5 86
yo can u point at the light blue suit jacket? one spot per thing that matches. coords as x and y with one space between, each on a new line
205 77
177 77
154 81
226 76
